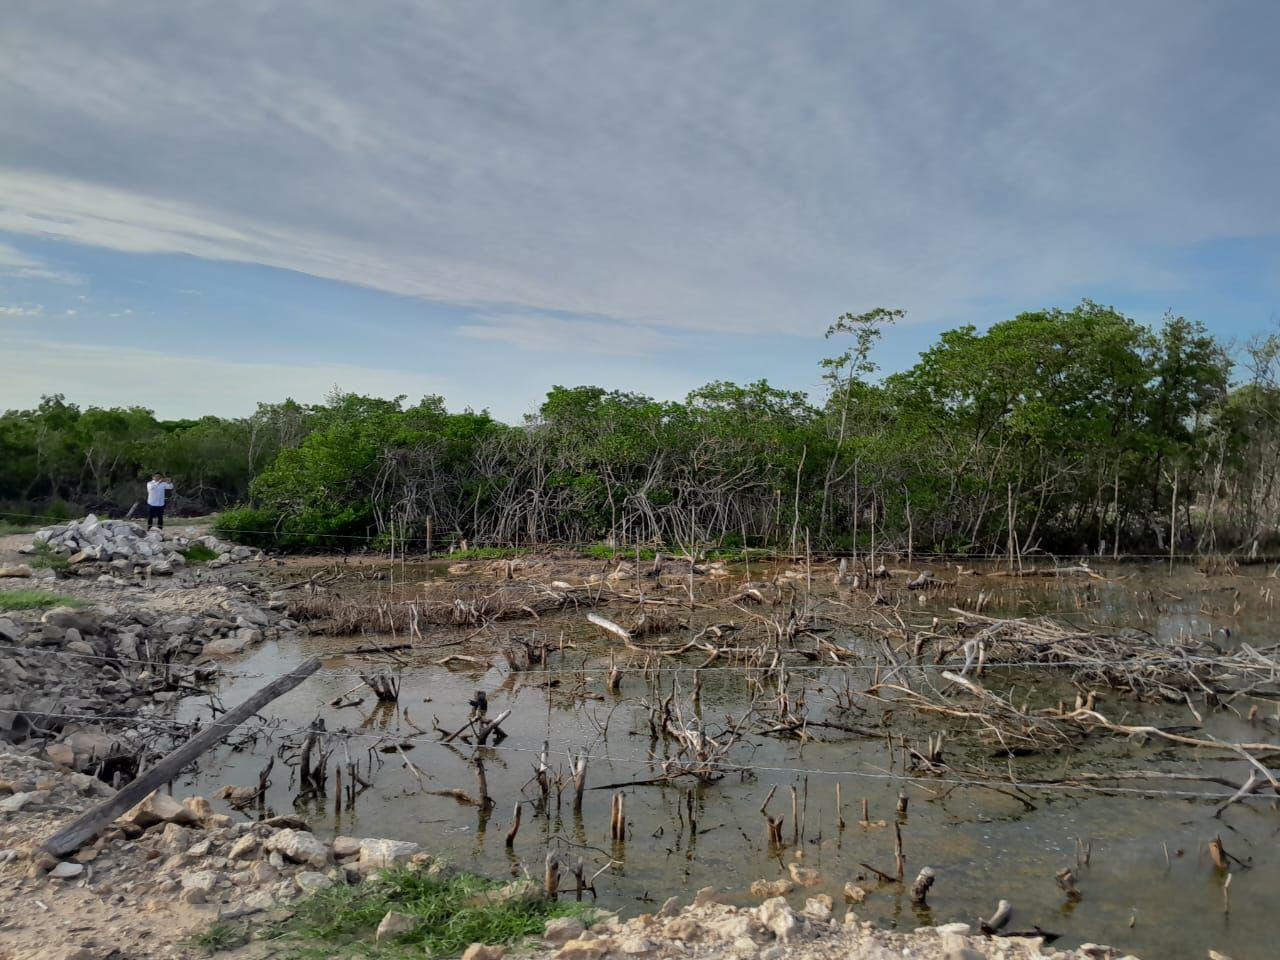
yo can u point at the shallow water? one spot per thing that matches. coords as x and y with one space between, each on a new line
1149 887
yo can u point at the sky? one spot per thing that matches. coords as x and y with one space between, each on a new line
204 205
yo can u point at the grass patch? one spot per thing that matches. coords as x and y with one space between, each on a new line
46 559
198 553
342 919
219 935
35 600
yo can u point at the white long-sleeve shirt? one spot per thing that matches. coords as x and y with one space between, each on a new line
155 492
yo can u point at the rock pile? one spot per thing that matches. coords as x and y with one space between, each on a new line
75 663
124 547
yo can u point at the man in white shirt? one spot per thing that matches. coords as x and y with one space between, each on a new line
157 486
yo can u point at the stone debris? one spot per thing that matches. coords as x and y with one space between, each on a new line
122 546
63 669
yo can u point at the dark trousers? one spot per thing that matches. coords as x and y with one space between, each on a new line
156 515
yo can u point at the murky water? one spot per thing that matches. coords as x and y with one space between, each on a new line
1149 886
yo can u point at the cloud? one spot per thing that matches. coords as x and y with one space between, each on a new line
13 312
543 332
707 166
176 385
15 263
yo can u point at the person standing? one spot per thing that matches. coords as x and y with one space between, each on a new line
157 487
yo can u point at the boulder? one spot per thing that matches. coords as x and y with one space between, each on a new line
560 930
308 881
157 807
19 571
384 854
818 908
483 951
224 647
299 846
776 916
67 870
244 848
394 925
765 889
344 847
202 880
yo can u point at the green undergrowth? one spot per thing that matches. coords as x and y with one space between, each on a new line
198 553
219 935
46 559
450 912
35 600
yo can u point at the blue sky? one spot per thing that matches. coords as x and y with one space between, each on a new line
207 205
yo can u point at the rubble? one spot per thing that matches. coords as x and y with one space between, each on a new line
122 547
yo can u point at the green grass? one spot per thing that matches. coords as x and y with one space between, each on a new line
35 600
44 558
198 553
219 935
342 919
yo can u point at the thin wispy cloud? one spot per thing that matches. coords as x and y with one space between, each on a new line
16 264
543 332
14 312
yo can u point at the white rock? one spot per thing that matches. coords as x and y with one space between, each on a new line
383 854
67 870
244 848
775 915
562 929
299 846
393 925
202 880
308 881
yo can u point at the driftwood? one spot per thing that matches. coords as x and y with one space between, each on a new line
87 826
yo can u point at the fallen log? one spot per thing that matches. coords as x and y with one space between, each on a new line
87 826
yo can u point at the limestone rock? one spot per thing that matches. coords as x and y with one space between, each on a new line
308 881
818 908
560 930
854 893
764 889
393 925
67 870
202 880
157 807
483 951
21 570
244 848
299 846
384 854
344 847
776 915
